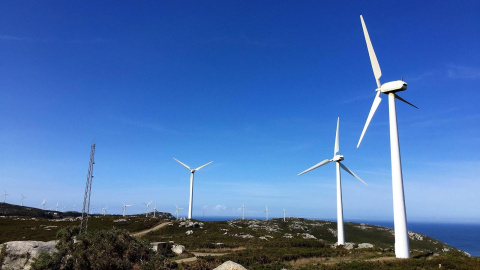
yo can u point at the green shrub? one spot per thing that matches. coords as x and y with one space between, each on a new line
106 249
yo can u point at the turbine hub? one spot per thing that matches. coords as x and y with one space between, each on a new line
337 157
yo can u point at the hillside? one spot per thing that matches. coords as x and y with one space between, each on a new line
275 244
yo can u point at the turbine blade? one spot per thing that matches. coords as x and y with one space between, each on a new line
203 166
375 104
316 166
350 172
337 146
183 164
399 98
373 58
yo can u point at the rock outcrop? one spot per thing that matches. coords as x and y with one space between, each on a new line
178 249
20 254
229 265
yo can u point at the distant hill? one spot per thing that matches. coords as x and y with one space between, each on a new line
7 209
10 210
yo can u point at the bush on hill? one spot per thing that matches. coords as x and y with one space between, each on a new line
106 249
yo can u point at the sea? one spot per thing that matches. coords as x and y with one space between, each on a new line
464 236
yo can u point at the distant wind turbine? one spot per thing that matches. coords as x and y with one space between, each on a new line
177 210
266 212
43 204
147 204
154 209
23 197
56 209
63 208
402 249
243 211
337 157
284 215
104 210
4 196
125 207
190 205
73 208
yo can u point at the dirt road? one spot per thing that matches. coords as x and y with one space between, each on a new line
157 227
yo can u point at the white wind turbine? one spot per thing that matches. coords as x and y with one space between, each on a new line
125 207
402 249
177 210
154 209
63 208
284 215
4 196
190 205
43 204
23 197
243 211
147 205
337 157
266 212
104 210
56 208
73 208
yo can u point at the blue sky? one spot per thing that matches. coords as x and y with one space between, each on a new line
255 86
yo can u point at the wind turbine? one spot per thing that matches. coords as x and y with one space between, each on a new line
402 249
243 211
154 209
4 196
177 210
23 197
73 208
56 209
266 212
63 208
190 205
43 204
104 210
147 204
125 207
284 214
337 157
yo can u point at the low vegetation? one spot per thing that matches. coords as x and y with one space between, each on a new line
101 249
294 244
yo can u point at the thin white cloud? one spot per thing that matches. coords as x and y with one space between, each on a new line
14 38
462 72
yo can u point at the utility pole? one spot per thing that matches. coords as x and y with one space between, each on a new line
88 191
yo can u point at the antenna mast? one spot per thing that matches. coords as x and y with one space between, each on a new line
88 191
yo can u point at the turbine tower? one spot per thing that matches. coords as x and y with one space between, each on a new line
402 249
147 204
190 205
284 215
63 208
266 212
4 196
154 209
56 208
177 210
243 211
88 192
73 208
43 204
337 157
23 197
125 208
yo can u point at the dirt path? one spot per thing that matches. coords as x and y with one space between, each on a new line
199 254
157 227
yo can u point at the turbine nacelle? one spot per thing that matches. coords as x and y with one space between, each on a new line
338 157
394 86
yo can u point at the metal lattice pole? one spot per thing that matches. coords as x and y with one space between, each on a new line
88 192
